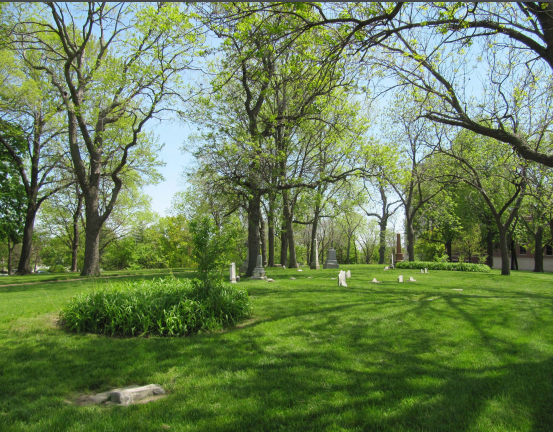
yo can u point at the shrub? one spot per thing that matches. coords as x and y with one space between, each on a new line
163 307
432 265
211 247
58 268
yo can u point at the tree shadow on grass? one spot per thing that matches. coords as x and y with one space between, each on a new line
350 366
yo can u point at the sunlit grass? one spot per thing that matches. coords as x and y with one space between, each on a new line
390 356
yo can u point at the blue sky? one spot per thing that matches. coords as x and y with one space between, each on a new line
172 134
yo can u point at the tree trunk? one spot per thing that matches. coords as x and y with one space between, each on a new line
24 267
448 249
514 262
489 247
289 229
314 234
538 253
283 245
263 241
254 213
308 251
348 250
410 239
10 249
382 249
504 246
271 239
91 266
76 234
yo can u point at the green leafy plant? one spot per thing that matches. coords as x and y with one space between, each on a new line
211 247
433 265
163 307
58 268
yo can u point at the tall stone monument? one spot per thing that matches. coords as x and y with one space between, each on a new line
331 261
259 271
399 255
315 263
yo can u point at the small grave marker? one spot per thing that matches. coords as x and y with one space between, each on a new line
342 279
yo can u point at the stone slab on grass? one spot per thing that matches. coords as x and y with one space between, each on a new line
137 394
124 396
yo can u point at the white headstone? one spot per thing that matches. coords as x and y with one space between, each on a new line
400 278
411 279
284 267
270 280
426 270
300 270
386 268
375 281
232 273
422 271
342 279
348 274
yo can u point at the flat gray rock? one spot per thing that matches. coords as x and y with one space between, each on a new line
136 394
123 396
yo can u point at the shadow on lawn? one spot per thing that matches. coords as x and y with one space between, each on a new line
340 369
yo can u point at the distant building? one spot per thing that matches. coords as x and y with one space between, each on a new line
525 258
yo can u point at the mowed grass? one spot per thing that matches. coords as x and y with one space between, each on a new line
399 357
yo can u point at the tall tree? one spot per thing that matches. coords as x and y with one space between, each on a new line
253 118
12 197
497 173
116 70
31 133
420 179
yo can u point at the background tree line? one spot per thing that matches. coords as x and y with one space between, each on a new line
342 123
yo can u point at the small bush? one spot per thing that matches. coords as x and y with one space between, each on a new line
432 265
163 307
58 268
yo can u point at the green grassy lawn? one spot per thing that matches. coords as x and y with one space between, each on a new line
399 357
53 277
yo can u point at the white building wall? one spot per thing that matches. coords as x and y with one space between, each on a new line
526 263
